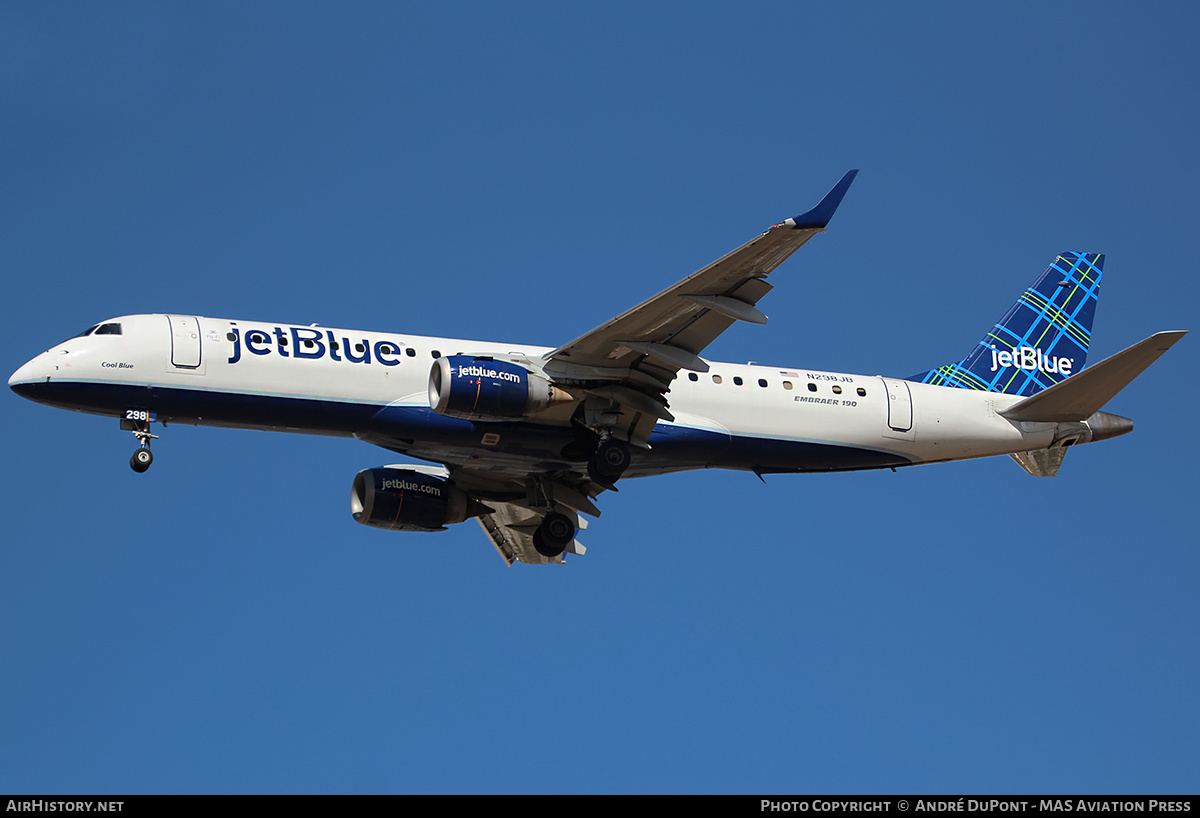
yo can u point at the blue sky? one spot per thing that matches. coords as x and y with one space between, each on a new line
525 172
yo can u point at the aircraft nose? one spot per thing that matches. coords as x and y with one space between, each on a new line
29 373
20 375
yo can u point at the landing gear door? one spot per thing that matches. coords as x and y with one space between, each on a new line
185 344
899 423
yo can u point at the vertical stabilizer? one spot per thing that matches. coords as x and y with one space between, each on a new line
1040 341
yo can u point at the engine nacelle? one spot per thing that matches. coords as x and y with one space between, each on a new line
405 500
478 388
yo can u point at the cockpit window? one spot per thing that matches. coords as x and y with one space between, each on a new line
98 329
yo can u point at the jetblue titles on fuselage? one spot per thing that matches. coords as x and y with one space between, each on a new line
309 343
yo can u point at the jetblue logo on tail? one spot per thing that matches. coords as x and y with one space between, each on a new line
1042 339
1032 360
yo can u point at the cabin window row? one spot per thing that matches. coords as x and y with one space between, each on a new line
812 387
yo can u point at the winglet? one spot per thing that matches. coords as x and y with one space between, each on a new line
820 215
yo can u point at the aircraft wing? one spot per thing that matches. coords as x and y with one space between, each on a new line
622 371
639 353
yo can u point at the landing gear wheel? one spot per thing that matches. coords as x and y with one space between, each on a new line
609 462
138 422
141 460
554 535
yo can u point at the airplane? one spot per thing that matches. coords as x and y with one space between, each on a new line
525 439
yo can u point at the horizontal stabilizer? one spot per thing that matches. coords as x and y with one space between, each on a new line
1085 393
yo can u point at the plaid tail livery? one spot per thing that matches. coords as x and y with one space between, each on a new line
1040 341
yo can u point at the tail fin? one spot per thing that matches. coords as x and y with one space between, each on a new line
1040 341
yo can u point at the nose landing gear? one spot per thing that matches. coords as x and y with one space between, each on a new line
142 458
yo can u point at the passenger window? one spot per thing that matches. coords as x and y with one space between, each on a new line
410 352
862 393
435 354
812 387
308 343
837 390
787 385
737 380
283 340
108 329
762 382
716 378
229 336
692 376
359 348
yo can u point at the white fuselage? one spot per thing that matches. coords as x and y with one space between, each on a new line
374 386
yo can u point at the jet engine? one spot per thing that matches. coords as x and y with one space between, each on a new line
481 388
405 500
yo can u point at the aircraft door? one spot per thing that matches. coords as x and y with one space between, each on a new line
185 343
899 409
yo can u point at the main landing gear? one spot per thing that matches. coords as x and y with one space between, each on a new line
606 464
607 457
609 462
554 534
